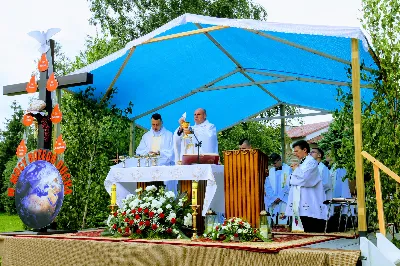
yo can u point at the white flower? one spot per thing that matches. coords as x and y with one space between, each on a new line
133 204
232 238
138 190
151 188
171 215
162 199
240 231
109 220
180 204
178 237
247 225
159 210
170 194
168 206
223 227
175 231
245 231
155 204
187 220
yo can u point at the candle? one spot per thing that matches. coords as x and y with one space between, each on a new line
194 192
113 194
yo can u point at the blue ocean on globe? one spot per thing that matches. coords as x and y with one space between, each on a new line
39 194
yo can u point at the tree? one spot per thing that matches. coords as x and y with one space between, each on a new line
380 117
10 138
128 19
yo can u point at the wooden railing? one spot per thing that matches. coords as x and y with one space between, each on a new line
379 203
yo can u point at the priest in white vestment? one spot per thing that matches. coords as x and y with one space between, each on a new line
276 189
306 180
204 131
159 141
318 154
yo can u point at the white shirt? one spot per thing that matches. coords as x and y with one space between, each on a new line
277 186
161 141
307 177
205 132
326 180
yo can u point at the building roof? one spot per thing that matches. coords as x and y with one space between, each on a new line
302 131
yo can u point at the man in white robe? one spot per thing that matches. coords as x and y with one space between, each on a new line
159 141
318 154
204 131
276 189
306 185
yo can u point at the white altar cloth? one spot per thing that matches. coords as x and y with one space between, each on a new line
126 178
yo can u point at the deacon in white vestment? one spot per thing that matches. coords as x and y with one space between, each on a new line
276 189
204 131
306 179
318 154
158 140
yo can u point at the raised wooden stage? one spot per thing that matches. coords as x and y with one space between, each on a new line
88 248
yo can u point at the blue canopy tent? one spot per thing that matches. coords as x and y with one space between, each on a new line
236 69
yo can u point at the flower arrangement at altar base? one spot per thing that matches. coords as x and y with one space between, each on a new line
235 229
152 213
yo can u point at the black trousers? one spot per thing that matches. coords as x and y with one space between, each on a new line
313 225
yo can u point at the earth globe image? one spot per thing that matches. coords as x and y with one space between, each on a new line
39 194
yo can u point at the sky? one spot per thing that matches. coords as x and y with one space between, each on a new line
18 17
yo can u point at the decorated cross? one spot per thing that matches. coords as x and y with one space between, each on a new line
43 111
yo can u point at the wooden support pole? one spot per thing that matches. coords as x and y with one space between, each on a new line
379 202
282 114
381 166
355 74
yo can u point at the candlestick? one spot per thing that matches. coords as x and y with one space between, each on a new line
194 215
113 194
194 192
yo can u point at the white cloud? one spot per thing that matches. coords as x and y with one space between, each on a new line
18 51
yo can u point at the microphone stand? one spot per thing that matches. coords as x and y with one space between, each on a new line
198 145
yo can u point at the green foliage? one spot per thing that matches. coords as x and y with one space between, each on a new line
128 19
265 138
93 133
9 141
380 118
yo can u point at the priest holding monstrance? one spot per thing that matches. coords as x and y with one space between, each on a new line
186 138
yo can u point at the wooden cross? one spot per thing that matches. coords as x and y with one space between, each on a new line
64 82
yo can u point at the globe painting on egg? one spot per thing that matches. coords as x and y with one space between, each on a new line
39 194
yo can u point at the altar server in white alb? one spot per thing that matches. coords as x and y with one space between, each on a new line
204 131
318 154
306 180
159 141
276 189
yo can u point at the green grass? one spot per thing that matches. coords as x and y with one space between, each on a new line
9 223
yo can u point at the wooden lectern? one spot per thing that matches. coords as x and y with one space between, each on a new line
244 176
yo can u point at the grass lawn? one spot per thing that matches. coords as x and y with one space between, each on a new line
10 223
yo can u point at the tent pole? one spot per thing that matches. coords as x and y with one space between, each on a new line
282 113
132 147
355 75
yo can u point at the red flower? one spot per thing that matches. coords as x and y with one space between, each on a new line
154 226
115 214
169 230
133 211
146 210
124 213
161 215
131 222
138 231
173 220
141 223
151 214
126 220
120 230
147 223
139 210
137 216
224 223
255 231
126 229
114 226
216 228
236 235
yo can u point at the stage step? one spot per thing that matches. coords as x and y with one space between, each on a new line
384 253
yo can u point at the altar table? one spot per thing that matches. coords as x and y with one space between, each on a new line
126 178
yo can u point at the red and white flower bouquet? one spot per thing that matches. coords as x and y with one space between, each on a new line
152 213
